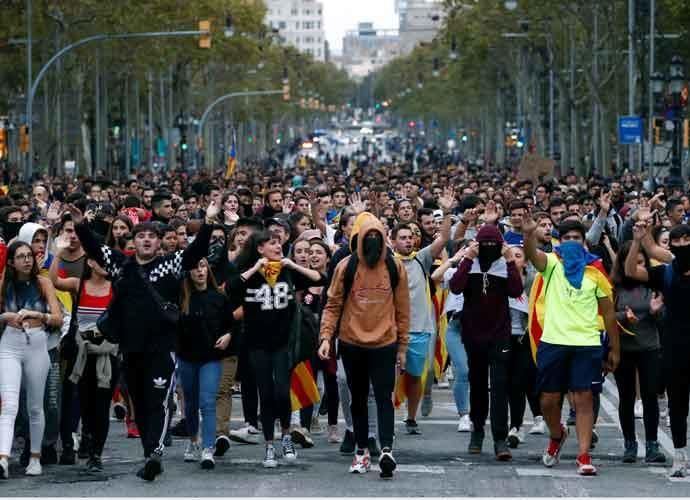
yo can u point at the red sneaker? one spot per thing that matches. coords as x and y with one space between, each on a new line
132 430
553 451
584 465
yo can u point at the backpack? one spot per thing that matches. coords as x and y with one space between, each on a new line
303 332
351 269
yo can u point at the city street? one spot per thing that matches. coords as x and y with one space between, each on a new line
433 464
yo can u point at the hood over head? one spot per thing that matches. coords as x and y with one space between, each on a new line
360 220
368 225
489 233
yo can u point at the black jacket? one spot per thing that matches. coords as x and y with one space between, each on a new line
143 329
209 318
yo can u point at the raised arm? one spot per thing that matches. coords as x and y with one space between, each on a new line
446 203
532 253
62 284
197 249
631 268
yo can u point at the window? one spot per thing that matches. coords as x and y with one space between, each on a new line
282 25
297 25
318 25
307 12
297 39
318 52
294 11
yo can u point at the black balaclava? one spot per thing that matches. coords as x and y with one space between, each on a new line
682 258
490 246
372 246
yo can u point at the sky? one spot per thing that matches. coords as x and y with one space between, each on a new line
343 15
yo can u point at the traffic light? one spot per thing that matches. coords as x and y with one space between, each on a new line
183 143
3 143
205 38
24 139
658 125
686 134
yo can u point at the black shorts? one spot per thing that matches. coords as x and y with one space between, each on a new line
562 368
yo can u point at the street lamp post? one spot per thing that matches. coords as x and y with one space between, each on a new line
58 55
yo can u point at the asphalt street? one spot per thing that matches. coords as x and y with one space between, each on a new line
433 464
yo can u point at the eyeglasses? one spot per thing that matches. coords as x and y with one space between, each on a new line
24 256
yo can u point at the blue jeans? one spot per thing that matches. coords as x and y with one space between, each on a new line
458 356
200 383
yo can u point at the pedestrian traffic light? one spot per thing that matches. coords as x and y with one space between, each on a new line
183 143
3 143
24 139
205 37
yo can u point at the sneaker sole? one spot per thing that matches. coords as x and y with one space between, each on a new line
270 465
191 459
301 439
358 470
290 457
387 467
504 457
222 446
587 472
557 458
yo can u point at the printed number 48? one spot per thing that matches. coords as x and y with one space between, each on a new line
276 298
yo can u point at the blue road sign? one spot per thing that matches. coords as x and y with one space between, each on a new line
629 130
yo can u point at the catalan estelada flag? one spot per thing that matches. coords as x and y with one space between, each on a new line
594 271
303 390
232 159
440 351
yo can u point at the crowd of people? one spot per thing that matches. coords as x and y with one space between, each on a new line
175 290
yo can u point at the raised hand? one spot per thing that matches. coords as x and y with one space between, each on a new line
639 230
529 225
356 203
490 213
212 211
447 201
630 316
656 303
472 251
605 204
54 213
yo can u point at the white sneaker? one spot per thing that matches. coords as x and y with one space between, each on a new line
515 437
4 468
361 463
270 461
539 426
289 452
207 461
639 412
668 420
663 407
248 435
333 434
449 374
465 424
680 463
34 468
192 452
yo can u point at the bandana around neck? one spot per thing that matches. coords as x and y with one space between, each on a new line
271 271
575 259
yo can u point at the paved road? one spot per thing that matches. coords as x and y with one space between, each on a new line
435 464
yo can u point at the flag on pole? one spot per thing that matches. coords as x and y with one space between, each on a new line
303 390
232 158
440 351
594 271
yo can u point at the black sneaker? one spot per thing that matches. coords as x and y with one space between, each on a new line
374 450
222 445
347 447
387 464
502 452
152 468
412 428
630 451
95 464
119 411
49 455
180 429
653 455
476 442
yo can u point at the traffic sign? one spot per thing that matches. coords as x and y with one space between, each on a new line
629 130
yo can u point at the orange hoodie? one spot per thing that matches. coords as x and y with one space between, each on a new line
373 315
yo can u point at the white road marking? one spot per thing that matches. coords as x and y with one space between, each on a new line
544 472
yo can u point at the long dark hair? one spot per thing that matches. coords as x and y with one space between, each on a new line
618 275
294 219
110 240
345 216
188 286
10 278
250 253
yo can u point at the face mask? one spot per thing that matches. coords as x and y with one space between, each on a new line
215 252
488 254
575 259
682 258
10 230
371 248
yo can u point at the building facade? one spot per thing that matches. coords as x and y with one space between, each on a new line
366 50
420 20
300 24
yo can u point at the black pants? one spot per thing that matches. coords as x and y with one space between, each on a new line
486 360
150 382
522 382
95 403
272 375
69 408
646 363
677 365
362 367
331 398
250 393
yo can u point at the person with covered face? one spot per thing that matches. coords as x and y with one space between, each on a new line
673 280
487 277
374 321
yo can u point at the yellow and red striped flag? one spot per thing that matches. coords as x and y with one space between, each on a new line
537 307
440 351
402 386
303 390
